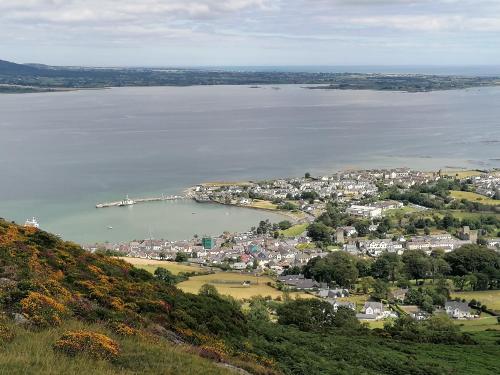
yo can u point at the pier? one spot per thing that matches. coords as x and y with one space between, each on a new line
131 202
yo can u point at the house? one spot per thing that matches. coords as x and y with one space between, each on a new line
336 304
493 243
415 312
398 295
371 311
458 310
298 282
333 293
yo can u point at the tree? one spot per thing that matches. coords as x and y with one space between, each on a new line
208 290
165 276
472 258
181 257
366 283
306 314
307 175
388 266
417 264
319 232
362 228
380 289
284 225
338 267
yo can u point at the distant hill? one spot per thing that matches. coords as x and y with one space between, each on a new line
7 67
35 77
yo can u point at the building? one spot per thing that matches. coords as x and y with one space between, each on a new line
371 311
339 235
458 310
365 211
467 234
208 243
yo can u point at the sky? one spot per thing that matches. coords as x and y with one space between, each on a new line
250 32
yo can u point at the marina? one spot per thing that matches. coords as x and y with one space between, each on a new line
130 202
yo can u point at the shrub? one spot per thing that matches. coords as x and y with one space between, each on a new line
124 330
42 311
6 334
93 344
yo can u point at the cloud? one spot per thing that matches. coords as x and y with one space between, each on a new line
219 26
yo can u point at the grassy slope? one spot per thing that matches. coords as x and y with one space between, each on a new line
151 265
473 197
31 353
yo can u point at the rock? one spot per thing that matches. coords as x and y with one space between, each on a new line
20 319
7 283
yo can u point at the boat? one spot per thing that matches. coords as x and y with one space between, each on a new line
126 202
110 227
33 223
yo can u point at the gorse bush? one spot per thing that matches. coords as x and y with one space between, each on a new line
43 311
93 344
6 334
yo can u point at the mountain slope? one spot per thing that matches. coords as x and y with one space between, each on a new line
56 285
10 68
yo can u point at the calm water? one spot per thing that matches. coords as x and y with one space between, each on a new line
62 153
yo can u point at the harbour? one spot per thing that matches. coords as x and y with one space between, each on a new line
130 202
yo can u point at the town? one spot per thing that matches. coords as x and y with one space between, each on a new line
374 218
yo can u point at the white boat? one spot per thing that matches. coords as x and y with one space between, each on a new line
126 202
110 227
33 223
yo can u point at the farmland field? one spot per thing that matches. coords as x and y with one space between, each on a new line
231 283
490 298
481 324
473 197
462 174
151 265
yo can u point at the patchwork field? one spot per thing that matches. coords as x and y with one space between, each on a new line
490 298
473 197
231 283
151 265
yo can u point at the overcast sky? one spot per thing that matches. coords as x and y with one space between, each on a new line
251 32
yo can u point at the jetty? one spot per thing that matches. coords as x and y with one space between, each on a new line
130 202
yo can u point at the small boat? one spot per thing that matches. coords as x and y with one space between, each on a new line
110 227
33 223
126 202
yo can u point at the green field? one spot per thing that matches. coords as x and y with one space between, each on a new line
231 284
464 214
400 211
265 205
473 197
151 265
295 230
481 324
490 298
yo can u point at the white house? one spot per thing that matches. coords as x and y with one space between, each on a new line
458 310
